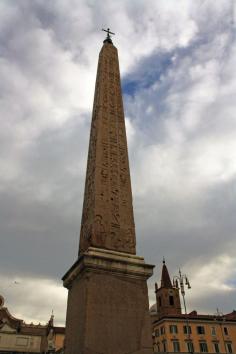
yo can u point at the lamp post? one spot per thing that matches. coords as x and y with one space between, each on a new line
179 282
220 317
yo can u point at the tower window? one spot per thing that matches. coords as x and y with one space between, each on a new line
213 331
171 300
164 346
162 330
216 347
229 348
203 347
190 347
173 329
159 299
200 330
187 330
226 331
176 346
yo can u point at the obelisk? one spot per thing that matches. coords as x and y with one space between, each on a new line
108 309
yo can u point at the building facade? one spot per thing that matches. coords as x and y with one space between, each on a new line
175 332
16 336
195 333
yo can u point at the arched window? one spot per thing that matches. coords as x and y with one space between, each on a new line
171 300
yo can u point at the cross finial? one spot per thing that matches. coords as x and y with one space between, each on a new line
108 39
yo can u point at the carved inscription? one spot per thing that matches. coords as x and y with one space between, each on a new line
107 218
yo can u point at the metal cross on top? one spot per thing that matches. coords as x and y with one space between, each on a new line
108 39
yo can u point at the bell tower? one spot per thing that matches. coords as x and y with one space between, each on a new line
108 309
167 296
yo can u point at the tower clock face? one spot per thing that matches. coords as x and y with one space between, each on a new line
170 292
1 301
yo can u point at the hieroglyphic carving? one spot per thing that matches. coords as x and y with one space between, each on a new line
107 219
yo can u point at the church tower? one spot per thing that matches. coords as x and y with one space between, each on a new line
108 309
167 296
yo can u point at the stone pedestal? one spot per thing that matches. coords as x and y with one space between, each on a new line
108 310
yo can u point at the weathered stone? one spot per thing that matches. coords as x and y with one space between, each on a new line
108 310
107 218
108 303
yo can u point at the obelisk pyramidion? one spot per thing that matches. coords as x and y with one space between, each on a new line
108 309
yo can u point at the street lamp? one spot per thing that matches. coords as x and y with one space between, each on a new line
220 317
179 282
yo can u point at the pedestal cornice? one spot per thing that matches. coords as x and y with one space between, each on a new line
101 260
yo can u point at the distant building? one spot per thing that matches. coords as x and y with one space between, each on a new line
16 336
191 333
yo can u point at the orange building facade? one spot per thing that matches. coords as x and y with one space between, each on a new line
208 334
174 332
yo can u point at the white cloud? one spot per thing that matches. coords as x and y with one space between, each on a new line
33 299
214 283
216 274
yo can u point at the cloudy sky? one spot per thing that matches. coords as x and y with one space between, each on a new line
177 61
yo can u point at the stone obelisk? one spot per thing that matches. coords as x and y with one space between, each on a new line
108 309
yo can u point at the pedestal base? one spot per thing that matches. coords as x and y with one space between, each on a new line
108 310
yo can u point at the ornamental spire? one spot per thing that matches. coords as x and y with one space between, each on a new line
108 39
165 277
